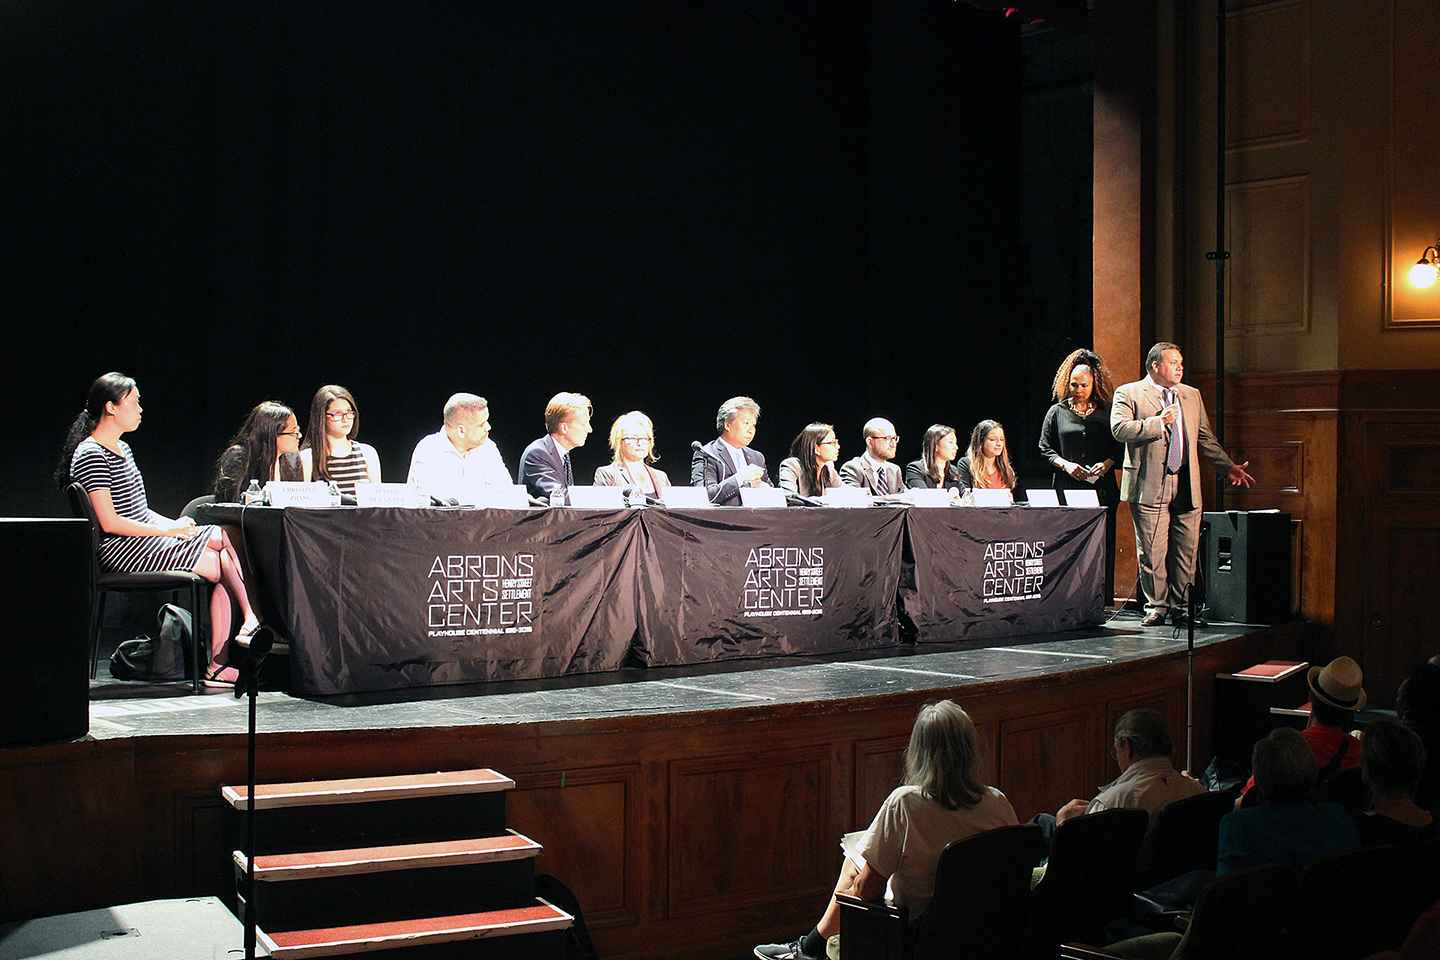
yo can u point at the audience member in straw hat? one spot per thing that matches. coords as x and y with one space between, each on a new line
1285 827
1335 694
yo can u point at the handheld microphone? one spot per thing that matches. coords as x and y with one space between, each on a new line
696 446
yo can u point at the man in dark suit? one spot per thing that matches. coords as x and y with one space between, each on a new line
873 469
727 463
1165 429
545 465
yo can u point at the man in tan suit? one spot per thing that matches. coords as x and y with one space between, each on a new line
1163 424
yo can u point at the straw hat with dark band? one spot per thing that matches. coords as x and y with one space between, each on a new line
1338 684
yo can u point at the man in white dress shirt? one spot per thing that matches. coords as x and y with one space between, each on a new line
460 459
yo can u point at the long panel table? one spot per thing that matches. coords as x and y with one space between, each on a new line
373 598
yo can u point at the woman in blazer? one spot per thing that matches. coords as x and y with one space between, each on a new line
632 442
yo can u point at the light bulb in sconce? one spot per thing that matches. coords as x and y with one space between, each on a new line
1424 272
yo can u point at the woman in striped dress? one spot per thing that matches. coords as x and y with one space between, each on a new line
136 539
331 451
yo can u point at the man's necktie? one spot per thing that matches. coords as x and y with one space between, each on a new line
569 476
881 487
1174 443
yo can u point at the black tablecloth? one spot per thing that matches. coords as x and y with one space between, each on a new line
381 598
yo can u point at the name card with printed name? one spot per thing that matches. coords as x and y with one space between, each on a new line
295 493
405 495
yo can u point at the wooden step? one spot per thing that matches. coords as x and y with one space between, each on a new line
406 856
367 937
271 796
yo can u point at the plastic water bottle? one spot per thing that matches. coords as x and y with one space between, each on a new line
253 495
334 494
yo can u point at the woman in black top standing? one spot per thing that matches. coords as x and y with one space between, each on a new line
1076 440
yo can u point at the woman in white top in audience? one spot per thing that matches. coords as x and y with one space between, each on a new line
943 800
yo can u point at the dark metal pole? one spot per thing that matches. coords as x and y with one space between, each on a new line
1219 254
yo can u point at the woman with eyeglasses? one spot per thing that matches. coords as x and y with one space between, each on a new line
266 448
632 443
810 469
331 451
136 539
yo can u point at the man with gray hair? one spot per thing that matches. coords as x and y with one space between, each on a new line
458 460
1147 780
727 463
873 470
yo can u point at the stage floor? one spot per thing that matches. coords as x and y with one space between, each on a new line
120 709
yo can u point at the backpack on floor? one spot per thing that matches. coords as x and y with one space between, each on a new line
581 947
160 658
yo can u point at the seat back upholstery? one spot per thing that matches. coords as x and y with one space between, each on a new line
1088 880
1240 916
85 510
1344 904
982 896
1185 836
872 930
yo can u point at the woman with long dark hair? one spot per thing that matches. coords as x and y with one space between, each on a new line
987 465
936 466
942 800
1076 441
810 469
136 539
331 451
266 448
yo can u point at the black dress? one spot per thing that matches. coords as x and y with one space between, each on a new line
1086 440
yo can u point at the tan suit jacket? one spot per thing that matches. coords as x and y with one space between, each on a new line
1135 421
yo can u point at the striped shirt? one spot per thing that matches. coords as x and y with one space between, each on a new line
346 470
100 469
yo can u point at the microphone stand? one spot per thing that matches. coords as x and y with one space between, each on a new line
247 658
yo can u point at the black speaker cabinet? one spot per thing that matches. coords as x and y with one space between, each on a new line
1247 566
45 685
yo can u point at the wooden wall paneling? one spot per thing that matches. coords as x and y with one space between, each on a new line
1267 225
588 821
70 831
1267 75
1401 542
1047 754
879 769
747 829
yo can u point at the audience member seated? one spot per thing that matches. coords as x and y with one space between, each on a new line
873 470
810 469
1418 707
936 466
943 800
331 451
987 465
727 463
632 443
1284 827
459 459
545 468
1335 695
266 448
1392 759
1148 781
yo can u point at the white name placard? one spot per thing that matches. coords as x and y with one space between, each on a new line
507 496
405 495
846 497
930 497
687 498
294 493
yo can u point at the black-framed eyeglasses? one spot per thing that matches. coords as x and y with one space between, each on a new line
886 439
639 439
291 433
347 415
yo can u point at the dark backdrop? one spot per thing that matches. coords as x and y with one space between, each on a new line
657 204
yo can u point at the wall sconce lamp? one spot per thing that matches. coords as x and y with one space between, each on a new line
1423 274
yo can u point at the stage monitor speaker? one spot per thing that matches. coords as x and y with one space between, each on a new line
1247 566
45 685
